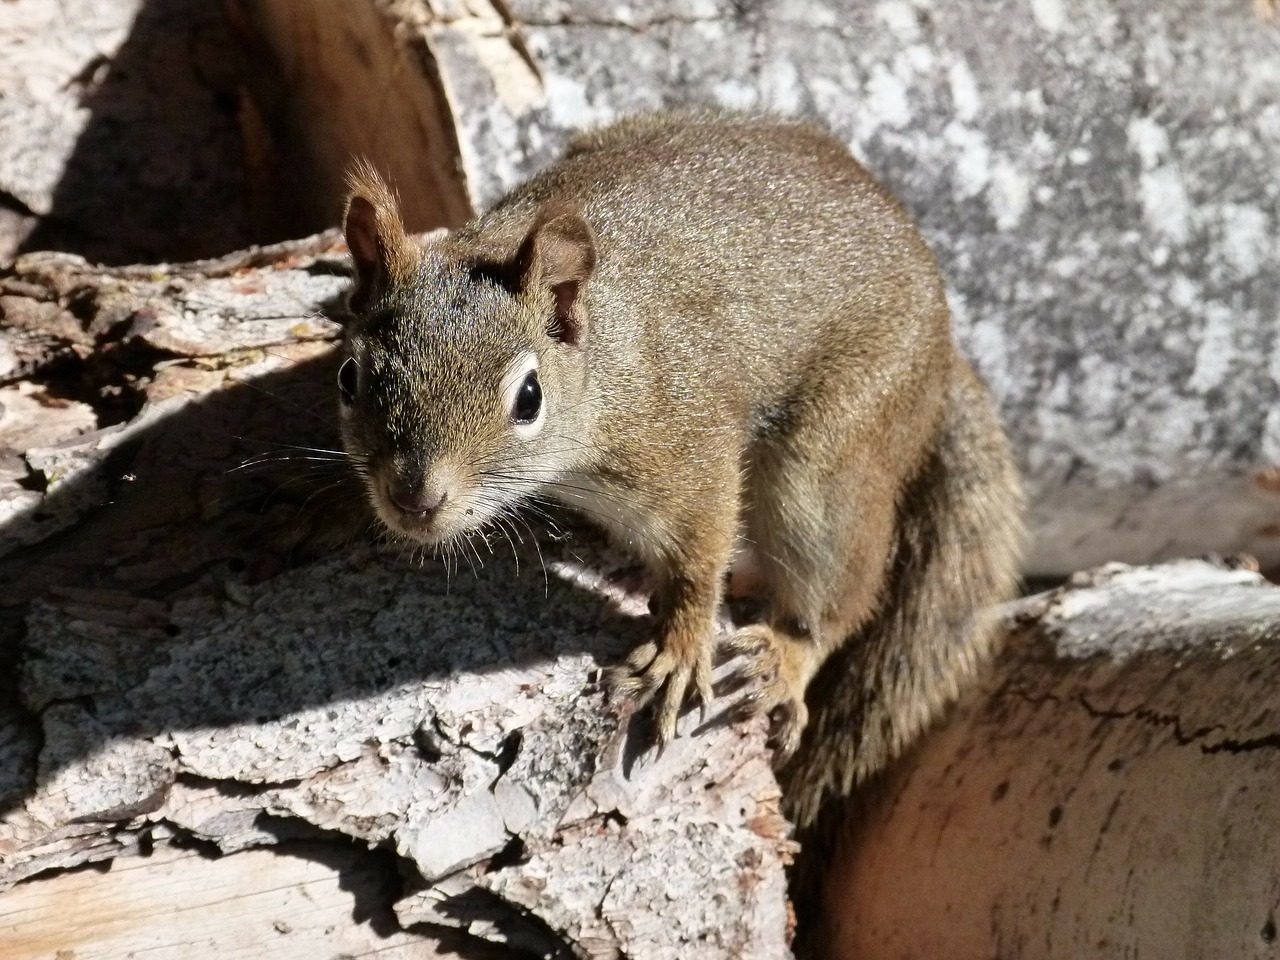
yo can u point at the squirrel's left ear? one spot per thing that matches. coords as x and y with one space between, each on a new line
557 256
380 250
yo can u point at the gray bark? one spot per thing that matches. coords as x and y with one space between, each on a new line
180 680
170 673
126 133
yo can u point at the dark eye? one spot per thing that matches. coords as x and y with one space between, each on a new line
528 400
347 375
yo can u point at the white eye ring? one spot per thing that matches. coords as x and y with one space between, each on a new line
523 401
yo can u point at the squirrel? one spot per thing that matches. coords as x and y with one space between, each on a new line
718 337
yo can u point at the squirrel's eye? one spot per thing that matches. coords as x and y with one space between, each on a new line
347 375
528 403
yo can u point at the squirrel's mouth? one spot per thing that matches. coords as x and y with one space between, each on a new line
429 508
430 531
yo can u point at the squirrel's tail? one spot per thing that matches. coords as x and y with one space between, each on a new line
958 550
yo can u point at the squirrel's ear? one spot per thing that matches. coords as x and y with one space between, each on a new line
375 234
557 256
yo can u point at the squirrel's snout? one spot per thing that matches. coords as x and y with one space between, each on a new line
428 505
416 497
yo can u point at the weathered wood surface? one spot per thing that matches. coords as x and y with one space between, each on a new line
305 901
127 133
169 673
1097 178
177 677
1111 793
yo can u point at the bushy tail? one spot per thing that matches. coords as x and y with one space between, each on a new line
960 537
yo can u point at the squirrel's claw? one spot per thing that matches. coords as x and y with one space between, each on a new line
670 675
789 720
776 689
633 680
787 714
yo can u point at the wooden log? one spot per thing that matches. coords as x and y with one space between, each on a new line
294 902
1096 178
1110 792
166 674
181 678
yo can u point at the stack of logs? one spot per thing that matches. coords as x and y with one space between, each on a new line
217 739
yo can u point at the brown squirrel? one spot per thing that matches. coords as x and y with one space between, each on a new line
716 335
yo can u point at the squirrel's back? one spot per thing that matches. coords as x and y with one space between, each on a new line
764 229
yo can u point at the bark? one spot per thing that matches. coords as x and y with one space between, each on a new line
127 133
421 752
180 681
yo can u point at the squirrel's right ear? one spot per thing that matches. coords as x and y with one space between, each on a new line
380 250
556 258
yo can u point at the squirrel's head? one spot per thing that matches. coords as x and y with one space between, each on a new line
463 390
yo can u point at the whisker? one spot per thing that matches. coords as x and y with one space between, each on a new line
503 525
292 446
546 580
327 421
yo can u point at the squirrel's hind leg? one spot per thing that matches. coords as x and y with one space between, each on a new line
819 518
776 670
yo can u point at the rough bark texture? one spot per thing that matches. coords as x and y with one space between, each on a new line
176 681
126 133
1096 178
1110 793
180 681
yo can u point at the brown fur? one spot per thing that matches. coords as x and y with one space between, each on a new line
740 337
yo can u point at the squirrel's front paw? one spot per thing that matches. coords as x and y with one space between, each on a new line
776 670
669 671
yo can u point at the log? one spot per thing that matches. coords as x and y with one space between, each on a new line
179 681
1109 792
296 901
234 728
1096 178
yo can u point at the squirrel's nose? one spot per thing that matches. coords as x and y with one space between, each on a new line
415 497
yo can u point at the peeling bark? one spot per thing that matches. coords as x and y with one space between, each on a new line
184 679
176 668
181 678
